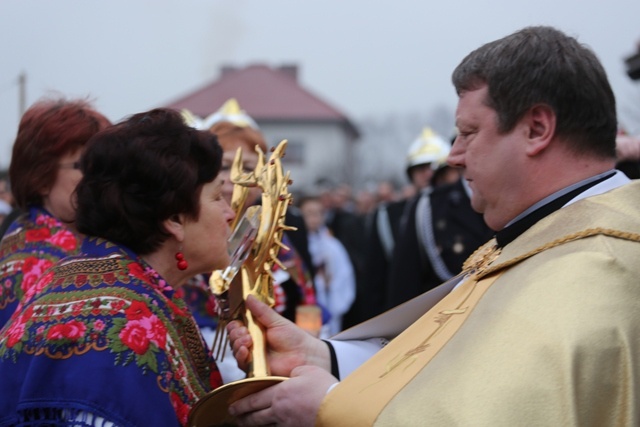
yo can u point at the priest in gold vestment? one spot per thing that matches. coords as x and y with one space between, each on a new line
542 328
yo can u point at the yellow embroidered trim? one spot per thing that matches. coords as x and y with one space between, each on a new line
442 319
480 260
635 237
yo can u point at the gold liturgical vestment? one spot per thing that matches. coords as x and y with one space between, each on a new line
547 335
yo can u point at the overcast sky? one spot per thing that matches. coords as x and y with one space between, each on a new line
364 57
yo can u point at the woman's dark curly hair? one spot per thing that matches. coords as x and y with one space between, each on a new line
141 172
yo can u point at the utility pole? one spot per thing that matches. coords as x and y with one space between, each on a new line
22 94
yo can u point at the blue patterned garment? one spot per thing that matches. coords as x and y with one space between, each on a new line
104 338
34 242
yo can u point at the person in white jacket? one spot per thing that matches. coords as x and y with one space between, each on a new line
335 277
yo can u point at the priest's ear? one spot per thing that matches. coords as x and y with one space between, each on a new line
540 123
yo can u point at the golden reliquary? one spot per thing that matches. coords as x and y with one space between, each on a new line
254 246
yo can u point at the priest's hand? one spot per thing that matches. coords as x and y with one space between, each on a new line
288 346
293 402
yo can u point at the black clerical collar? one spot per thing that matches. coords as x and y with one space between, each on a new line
515 229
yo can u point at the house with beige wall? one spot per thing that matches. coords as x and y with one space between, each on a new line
321 139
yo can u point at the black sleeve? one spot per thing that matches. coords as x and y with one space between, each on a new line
334 360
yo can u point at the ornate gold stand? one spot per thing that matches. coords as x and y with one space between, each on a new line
212 409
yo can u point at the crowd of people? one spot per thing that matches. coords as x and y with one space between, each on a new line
498 288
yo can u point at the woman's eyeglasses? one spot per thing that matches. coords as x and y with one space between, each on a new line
70 165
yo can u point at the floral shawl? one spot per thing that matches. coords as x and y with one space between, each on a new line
34 242
105 338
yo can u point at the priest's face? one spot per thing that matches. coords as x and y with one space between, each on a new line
491 161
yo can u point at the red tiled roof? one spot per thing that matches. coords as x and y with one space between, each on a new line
263 92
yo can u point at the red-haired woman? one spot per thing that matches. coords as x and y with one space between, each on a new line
44 173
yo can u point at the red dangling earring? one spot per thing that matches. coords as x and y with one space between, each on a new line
182 263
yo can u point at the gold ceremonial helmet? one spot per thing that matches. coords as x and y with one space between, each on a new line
232 113
229 112
429 147
192 120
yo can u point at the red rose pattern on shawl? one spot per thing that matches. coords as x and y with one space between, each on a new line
32 244
72 330
134 321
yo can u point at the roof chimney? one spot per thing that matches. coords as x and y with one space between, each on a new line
289 70
225 70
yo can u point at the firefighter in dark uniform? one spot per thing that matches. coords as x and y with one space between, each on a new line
416 244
